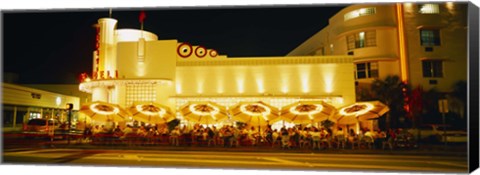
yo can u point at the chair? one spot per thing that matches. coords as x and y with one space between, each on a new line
305 142
130 139
368 141
326 141
356 141
277 139
388 142
340 140
315 142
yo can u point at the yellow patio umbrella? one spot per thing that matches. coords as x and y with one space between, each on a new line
307 112
103 111
361 111
150 112
204 112
254 113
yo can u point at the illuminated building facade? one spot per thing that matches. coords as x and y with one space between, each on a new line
134 66
423 43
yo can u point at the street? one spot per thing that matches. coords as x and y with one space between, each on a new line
237 160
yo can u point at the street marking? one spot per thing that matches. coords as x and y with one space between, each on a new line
272 159
232 162
451 164
283 161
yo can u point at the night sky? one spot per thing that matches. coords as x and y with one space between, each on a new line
54 47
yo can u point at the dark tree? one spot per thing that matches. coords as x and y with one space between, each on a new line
391 92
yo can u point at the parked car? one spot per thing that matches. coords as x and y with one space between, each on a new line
435 133
39 127
42 128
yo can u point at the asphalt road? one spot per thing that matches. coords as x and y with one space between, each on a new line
237 160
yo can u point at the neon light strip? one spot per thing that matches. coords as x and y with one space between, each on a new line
402 47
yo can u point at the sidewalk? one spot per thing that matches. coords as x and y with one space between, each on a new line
433 150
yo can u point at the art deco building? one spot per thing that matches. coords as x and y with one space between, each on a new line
424 44
133 65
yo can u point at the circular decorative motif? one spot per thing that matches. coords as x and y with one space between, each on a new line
200 51
255 109
204 109
306 109
150 110
356 109
184 50
213 53
104 109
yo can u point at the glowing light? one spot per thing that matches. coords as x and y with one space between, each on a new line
205 109
450 5
429 9
178 87
104 109
200 87
240 85
328 83
368 107
58 101
88 79
285 82
220 89
284 89
305 87
260 85
141 69
362 11
132 35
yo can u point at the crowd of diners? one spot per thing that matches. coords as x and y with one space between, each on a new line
297 137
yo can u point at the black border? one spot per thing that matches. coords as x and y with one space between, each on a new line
473 76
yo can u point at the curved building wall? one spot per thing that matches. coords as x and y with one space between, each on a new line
384 16
124 35
158 62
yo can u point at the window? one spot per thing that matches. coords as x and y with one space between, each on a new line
366 70
361 39
432 68
358 13
429 37
140 93
428 9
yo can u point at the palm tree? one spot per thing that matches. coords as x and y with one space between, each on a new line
460 93
458 103
391 92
